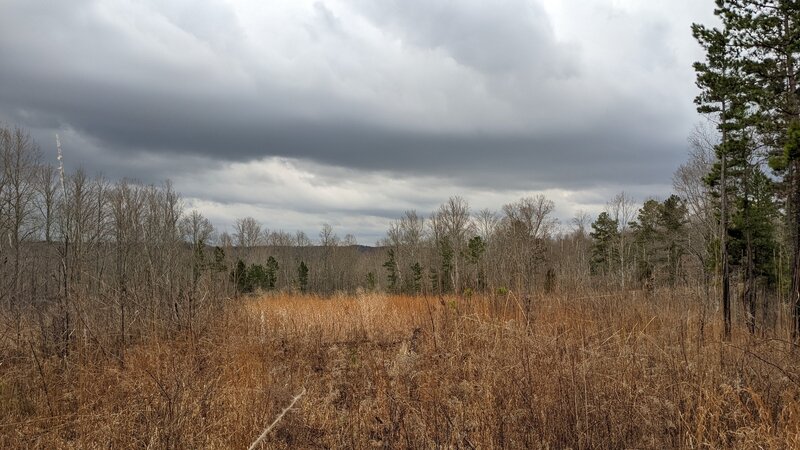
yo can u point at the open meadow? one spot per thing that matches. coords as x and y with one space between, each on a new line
527 224
624 370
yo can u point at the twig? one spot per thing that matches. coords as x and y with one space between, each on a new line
44 380
277 419
769 363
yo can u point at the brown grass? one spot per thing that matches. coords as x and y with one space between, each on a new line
562 371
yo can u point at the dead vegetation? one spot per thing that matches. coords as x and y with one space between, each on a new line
559 371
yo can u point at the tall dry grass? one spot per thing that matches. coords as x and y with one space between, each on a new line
559 371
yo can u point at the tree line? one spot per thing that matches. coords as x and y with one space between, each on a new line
129 259
119 259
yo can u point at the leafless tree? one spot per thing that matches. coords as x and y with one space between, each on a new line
451 227
704 227
247 232
47 187
349 240
327 237
580 223
526 226
127 210
689 183
486 222
405 238
19 161
301 239
532 216
196 228
280 238
575 257
225 240
327 271
623 209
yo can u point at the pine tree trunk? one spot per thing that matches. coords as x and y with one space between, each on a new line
794 292
749 294
726 284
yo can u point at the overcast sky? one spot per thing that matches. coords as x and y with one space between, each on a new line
352 111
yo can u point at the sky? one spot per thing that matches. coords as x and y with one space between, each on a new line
349 112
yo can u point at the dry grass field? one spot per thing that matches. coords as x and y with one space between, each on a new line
560 371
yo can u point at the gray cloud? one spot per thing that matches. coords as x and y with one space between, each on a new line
506 96
508 36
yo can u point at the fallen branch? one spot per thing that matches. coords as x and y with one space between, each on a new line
277 419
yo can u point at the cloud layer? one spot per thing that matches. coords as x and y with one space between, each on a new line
350 111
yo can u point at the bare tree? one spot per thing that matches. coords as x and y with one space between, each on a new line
329 273
225 240
247 232
486 222
127 209
704 226
301 239
579 242
47 195
689 183
19 161
580 222
451 226
526 225
196 228
198 231
280 238
349 240
82 221
405 238
265 237
623 209
532 216
100 230
327 237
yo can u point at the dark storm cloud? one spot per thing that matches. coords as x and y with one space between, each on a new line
481 93
573 161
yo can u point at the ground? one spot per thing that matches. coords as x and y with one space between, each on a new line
563 370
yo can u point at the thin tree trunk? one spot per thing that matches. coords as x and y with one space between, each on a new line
726 285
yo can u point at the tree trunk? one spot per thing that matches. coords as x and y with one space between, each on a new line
726 284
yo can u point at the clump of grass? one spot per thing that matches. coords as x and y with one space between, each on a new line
578 371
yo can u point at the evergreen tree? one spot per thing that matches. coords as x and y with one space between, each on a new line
256 278
749 81
391 271
271 273
219 260
239 277
647 239
475 250
416 278
433 278
658 234
302 276
766 35
198 261
605 234
371 282
753 239
444 276
673 217
720 92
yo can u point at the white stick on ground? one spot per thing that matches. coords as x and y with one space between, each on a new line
277 419
263 328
